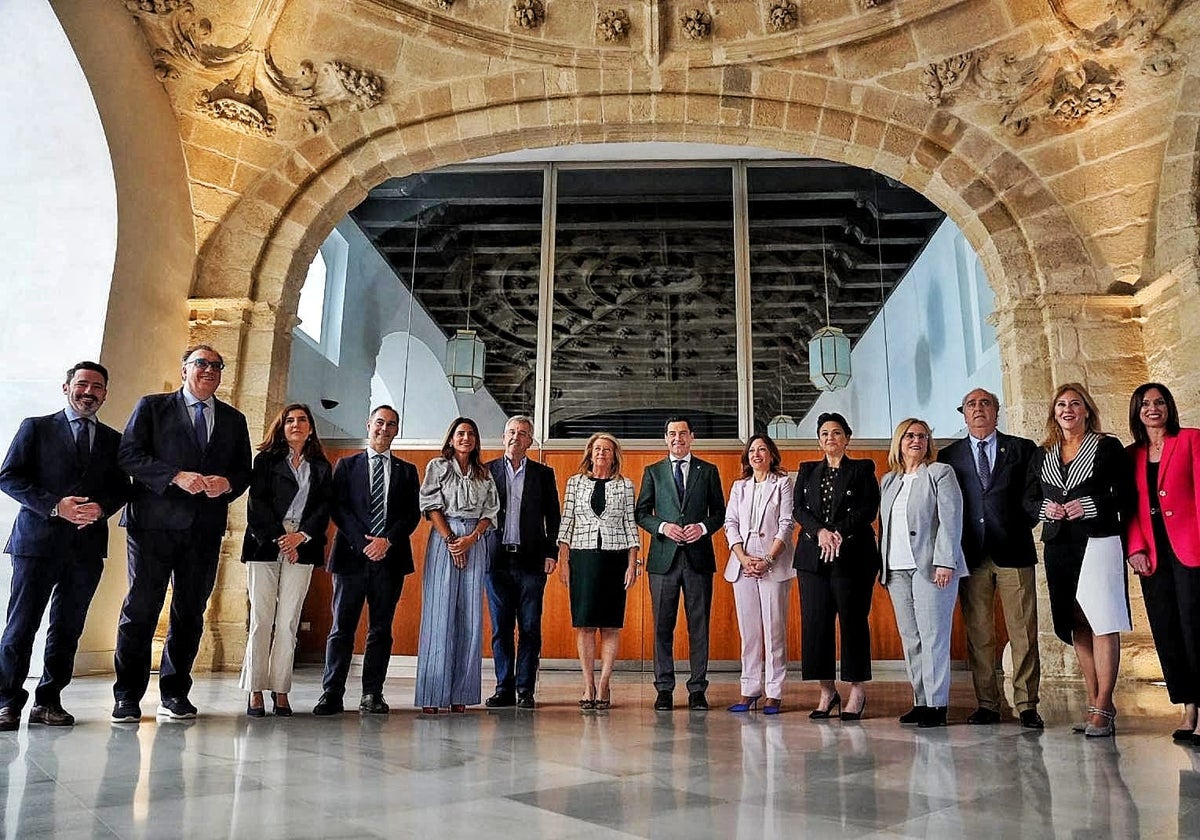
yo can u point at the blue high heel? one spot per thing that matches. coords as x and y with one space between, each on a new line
773 706
746 706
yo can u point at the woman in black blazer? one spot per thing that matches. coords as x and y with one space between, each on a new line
1081 487
837 558
287 516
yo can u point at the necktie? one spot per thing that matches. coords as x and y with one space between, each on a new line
983 466
200 426
679 478
378 497
83 443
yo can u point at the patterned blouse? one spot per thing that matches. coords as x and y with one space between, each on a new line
447 489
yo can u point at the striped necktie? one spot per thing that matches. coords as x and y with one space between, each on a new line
378 497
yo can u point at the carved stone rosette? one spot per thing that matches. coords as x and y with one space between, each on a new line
613 24
784 15
529 14
696 24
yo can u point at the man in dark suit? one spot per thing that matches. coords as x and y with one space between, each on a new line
375 508
526 552
681 506
998 544
189 455
63 470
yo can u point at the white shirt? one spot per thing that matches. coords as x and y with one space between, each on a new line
900 554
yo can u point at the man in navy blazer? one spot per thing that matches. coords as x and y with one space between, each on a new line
189 456
63 470
997 541
376 508
526 552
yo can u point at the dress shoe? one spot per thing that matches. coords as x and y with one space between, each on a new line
984 717
1179 735
663 702
697 702
746 704
255 711
525 700
848 715
913 716
10 719
176 708
500 700
328 705
934 717
126 711
1030 719
835 702
278 710
373 704
773 706
51 714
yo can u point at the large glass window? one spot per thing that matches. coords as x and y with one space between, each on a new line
644 323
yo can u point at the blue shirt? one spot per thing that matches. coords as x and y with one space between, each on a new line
74 417
989 444
515 481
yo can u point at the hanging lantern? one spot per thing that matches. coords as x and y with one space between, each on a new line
464 361
829 359
783 427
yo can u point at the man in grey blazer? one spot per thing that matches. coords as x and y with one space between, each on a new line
681 506
998 543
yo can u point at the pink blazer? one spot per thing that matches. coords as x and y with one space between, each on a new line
1178 493
774 521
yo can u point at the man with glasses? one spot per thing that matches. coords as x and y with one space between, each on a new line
63 470
997 539
189 455
526 552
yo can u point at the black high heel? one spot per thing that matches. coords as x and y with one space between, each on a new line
827 712
862 710
277 710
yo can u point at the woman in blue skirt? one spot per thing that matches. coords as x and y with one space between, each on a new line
460 499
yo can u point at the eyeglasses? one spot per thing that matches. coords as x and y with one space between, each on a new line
916 436
205 364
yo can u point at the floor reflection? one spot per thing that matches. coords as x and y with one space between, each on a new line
558 772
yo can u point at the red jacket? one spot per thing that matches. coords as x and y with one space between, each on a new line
1178 493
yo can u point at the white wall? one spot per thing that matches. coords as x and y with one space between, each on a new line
58 223
928 346
381 358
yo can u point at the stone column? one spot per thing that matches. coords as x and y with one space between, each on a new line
1096 340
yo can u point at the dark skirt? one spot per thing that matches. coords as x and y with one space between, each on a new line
598 587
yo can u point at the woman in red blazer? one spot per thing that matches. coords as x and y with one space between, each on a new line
1163 542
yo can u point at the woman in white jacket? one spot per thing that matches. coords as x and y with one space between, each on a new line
758 527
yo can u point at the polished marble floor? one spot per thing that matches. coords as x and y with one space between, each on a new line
630 772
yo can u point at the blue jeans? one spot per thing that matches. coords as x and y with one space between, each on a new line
515 602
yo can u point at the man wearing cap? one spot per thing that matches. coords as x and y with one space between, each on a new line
998 543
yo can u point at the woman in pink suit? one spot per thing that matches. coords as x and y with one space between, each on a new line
758 527
1163 542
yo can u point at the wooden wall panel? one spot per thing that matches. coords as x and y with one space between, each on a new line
637 642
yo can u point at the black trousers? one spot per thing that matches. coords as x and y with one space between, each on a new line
697 589
824 598
187 561
1172 596
379 587
66 584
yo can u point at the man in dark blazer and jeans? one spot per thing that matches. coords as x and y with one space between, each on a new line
526 552
376 509
681 506
998 543
189 456
63 470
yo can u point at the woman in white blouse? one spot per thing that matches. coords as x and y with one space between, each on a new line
921 514
598 539
460 499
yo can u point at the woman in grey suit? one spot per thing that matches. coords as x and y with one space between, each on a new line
598 540
921 541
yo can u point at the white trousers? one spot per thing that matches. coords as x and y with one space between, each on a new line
762 620
277 591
